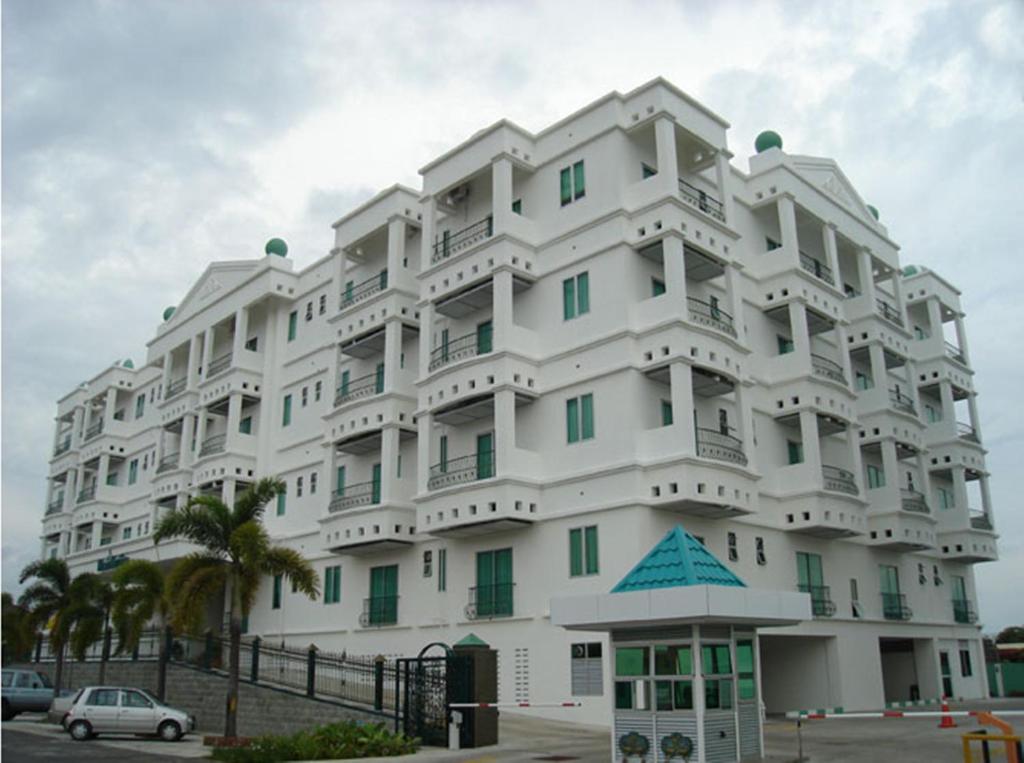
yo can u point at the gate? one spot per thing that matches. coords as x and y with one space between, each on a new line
424 687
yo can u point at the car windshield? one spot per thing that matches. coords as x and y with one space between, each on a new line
46 680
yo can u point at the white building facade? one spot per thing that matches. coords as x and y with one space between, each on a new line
511 383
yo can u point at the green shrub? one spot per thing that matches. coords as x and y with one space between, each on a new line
345 739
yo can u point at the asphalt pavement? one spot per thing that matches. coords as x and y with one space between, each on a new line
28 738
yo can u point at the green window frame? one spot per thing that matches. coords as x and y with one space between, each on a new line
579 418
572 183
484 338
275 601
583 551
945 498
245 425
786 345
339 481
442 570
378 379
383 604
932 414
140 405
286 414
666 413
716 660
282 500
442 465
576 296
876 477
494 583
375 484
112 478
657 287
332 584
862 381
133 471
746 683
293 324
565 185
795 452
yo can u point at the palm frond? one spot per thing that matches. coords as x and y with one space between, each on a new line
204 521
195 591
249 543
53 571
294 567
251 504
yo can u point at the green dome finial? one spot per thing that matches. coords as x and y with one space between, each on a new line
168 312
276 246
768 139
873 211
128 363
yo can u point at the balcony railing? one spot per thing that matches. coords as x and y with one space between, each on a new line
894 606
954 352
963 611
218 366
817 268
175 387
364 386
966 432
468 346
721 447
86 494
911 500
453 243
379 610
704 201
707 314
358 494
839 480
980 521
212 445
94 430
821 599
54 506
889 312
480 466
489 601
62 447
827 368
360 291
168 462
901 402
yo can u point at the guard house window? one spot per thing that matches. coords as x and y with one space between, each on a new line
275 602
428 564
293 324
309 311
332 584
571 183
734 553
140 405
965 663
583 556
632 678
323 304
876 477
745 683
576 296
586 674
762 559
795 451
717 668
579 418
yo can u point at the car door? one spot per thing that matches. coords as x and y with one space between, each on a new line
136 714
100 709
39 695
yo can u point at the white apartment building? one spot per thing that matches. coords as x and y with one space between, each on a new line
511 383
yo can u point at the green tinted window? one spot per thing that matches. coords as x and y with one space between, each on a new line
716 659
293 323
565 185
673 660
632 661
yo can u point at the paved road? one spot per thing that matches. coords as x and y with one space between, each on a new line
26 739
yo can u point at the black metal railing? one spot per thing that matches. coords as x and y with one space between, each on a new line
894 606
719 446
479 466
827 368
360 291
175 387
94 430
901 402
707 314
817 268
168 462
379 610
213 445
54 506
489 601
453 243
954 352
821 599
704 201
62 447
468 346
888 312
356 494
966 432
912 500
963 611
86 494
218 365
364 386
839 480
980 521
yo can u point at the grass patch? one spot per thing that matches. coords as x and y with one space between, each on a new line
344 739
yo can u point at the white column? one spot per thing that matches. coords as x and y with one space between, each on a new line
392 354
961 338
168 362
960 490
504 430
426 337
70 485
104 470
811 444
228 491
986 496
79 482
828 233
77 424
948 404
734 287
192 379
745 421
844 353
429 229
698 693
910 369
207 351
110 407
891 467
665 148
502 305
673 260
972 409
787 224
201 416
925 479
339 277
856 462
396 248
866 275
425 431
879 373
97 533
390 438
935 320
241 334
234 419
501 193
723 176
186 454
681 384
801 334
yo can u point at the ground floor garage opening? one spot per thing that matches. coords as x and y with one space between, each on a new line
798 672
909 669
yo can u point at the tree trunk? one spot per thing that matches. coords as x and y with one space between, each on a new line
235 626
161 673
104 650
58 673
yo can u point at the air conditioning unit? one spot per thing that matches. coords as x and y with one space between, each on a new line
457 195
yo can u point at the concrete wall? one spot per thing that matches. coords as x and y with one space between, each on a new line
898 674
796 673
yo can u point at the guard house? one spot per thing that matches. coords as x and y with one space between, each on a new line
684 653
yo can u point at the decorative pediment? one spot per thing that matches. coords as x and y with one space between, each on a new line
218 278
825 174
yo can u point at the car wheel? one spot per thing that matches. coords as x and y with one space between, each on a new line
80 731
7 712
169 731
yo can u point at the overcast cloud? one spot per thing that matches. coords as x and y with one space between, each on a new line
144 138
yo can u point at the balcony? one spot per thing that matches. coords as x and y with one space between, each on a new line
63 447
490 601
901 402
889 312
378 611
480 466
358 494
54 506
839 480
469 346
720 447
95 430
817 268
963 612
364 386
175 387
364 289
453 243
894 606
706 314
702 200
213 445
911 500
955 353
828 369
967 432
168 463
86 494
218 365
821 599
981 521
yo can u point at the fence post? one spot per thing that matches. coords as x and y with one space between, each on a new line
208 651
311 671
39 648
255 662
378 683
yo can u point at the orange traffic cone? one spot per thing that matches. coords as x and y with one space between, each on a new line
947 720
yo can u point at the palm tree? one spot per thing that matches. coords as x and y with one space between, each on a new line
19 632
92 599
140 595
236 556
48 600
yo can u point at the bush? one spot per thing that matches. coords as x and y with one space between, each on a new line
345 739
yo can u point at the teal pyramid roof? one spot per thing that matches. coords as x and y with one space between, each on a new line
678 559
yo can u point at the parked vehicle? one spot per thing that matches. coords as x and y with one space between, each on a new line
124 710
27 691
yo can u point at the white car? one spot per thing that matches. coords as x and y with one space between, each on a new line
124 710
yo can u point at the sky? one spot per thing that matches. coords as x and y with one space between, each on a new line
143 139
